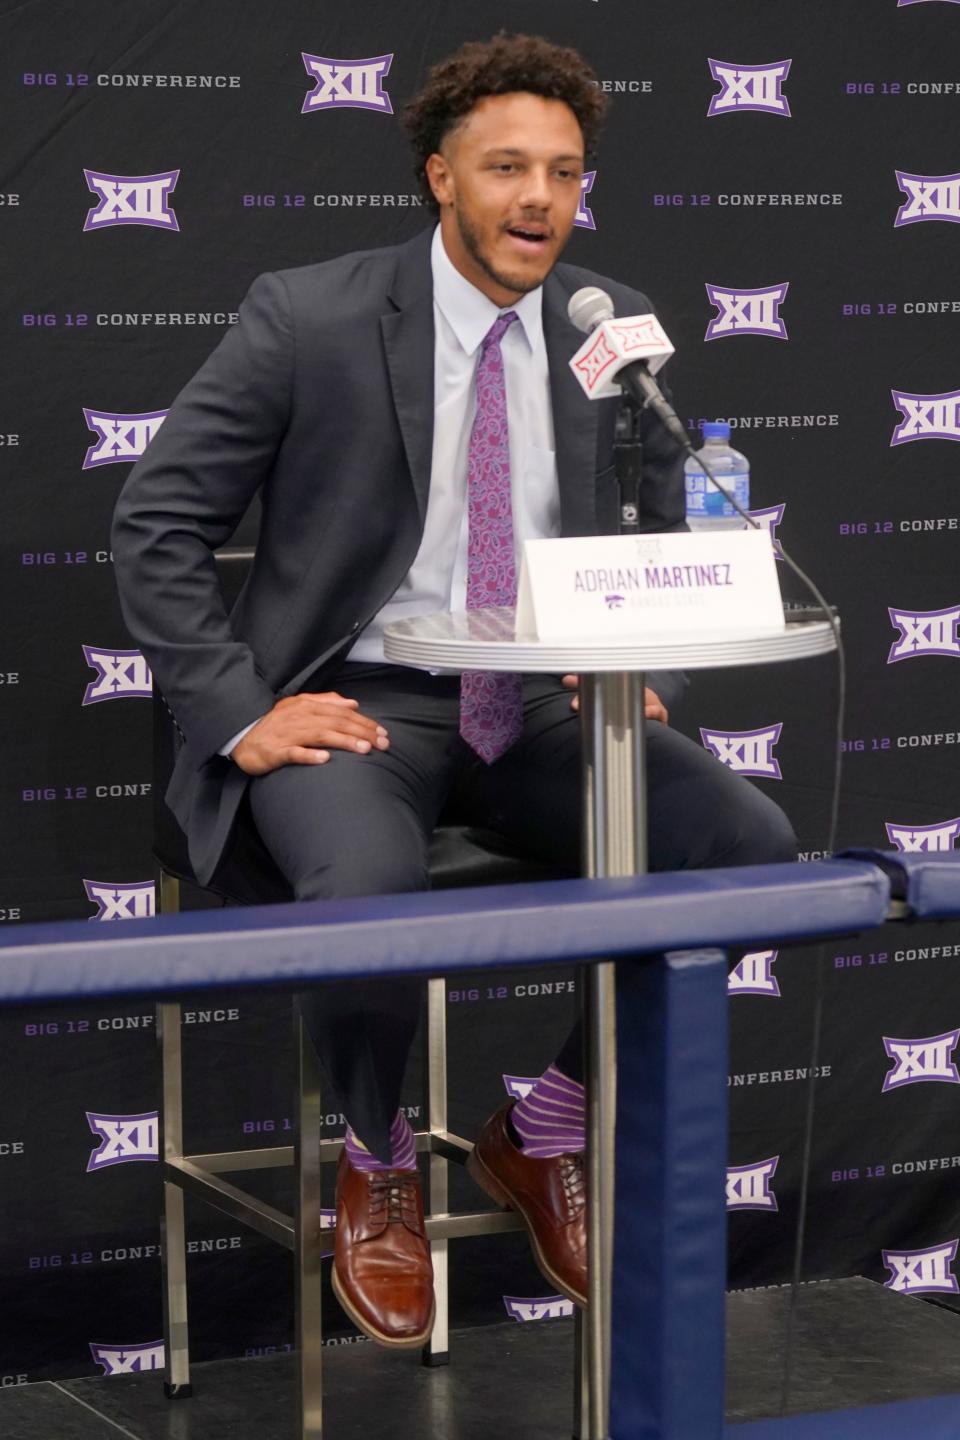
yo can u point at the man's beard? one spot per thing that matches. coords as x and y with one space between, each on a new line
520 285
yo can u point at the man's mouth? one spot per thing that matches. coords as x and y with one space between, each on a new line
531 237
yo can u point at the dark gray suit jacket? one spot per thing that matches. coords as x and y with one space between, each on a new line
321 397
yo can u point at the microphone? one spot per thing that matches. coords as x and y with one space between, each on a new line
622 355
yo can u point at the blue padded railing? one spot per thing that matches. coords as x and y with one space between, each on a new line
670 1218
441 932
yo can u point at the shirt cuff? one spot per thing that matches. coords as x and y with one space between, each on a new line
234 741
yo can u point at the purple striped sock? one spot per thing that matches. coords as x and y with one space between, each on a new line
550 1120
403 1148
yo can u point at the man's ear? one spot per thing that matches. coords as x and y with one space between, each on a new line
441 180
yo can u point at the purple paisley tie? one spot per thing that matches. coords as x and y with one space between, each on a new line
491 704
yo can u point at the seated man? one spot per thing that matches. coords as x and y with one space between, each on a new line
409 419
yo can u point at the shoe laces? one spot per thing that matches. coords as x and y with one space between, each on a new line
394 1191
574 1181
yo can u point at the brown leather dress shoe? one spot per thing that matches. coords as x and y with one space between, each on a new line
382 1273
548 1195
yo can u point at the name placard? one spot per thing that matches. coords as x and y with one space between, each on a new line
643 585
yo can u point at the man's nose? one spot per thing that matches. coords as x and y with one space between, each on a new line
535 191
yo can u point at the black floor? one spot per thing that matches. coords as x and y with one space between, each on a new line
856 1344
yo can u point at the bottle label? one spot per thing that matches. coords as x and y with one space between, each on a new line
706 503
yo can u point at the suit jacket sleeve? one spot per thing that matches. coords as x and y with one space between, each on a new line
183 500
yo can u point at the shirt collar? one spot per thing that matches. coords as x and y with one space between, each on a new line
467 310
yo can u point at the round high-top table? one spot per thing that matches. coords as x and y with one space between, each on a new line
612 674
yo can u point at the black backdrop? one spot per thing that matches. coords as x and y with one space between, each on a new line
828 170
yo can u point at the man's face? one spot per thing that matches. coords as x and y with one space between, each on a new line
508 184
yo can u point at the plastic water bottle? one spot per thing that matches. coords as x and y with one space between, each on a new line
706 507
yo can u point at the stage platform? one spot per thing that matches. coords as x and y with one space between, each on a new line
857 1345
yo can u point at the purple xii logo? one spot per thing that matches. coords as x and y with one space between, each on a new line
919 1272
749 87
754 975
518 1087
926 417
121 675
128 1359
123 1139
347 84
748 1186
927 839
537 1307
769 520
917 1062
748 752
131 200
928 197
924 632
747 312
121 902
583 219
120 438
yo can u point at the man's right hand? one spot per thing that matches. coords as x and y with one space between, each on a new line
303 729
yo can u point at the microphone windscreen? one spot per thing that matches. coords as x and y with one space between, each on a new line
589 307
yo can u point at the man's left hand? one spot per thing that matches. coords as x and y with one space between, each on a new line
653 706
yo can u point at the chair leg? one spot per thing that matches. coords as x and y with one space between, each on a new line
437 1349
167 896
581 1380
308 1244
173 1244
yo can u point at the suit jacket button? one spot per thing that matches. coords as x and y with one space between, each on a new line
354 627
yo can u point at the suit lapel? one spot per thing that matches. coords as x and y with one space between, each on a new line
408 340
574 417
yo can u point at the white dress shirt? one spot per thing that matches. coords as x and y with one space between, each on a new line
437 579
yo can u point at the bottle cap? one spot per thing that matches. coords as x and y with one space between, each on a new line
715 430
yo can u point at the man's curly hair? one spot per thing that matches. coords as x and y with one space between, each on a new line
501 66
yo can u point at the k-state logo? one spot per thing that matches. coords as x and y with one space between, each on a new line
121 437
519 1086
749 87
919 1061
927 417
131 200
929 197
121 675
770 519
927 838
120 902
747 312
754 975
123 1138
584 217
347 84
748 1186
542 1307
924 632
748 752
913 1272
128 1359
